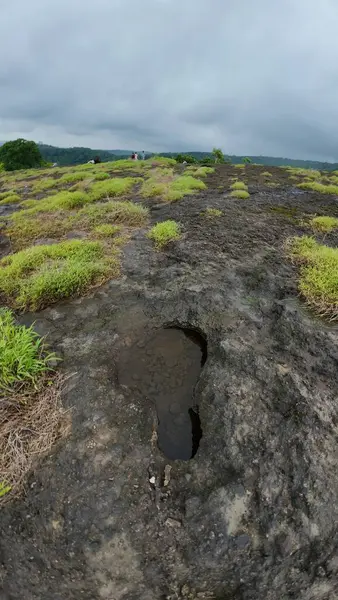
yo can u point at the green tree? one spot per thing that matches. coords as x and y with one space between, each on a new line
246 160
218 155
20 154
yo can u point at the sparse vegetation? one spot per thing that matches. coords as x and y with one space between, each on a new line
266 174
324 224
163 233
106 230
318 282
242 194
213 212
319 187
73 177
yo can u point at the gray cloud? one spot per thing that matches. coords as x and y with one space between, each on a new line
252 77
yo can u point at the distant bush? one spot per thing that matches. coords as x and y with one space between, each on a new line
20 154
218 155
190 160
164 232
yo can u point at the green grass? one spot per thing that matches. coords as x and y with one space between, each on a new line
163 233
200 171
266 174
299 172
10 199
152 188
23 358
324 224
112 187
40 275
239 166
4 195
64 200
42 185
32 227
213 212
101 176
239 185
318 281
72 177
106 230
319 187
183 186
242 194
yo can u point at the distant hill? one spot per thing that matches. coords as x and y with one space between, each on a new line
269 161
79 155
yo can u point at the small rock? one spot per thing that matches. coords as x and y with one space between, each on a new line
173 523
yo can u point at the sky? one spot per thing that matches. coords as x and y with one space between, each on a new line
253 77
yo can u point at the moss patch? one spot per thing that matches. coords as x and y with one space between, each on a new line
242 194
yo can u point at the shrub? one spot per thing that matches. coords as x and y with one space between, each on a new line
22 353
242 194
239 185
324 224
41 275
20 154
163 233
318 282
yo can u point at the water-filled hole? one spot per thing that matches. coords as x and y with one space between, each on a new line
165 367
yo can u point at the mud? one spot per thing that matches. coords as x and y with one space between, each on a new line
254 514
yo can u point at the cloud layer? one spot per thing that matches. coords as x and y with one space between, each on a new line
252 77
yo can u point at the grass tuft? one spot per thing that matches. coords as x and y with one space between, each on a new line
106 230
318 282
319 187
23 358
239 185
10 199
41 275
213 212
324 224
242 194
163 233
266 174
114 187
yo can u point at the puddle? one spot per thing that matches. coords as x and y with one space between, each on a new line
165 368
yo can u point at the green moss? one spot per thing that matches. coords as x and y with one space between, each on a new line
324 224
163 233
41 275
22 354
239 185
242 194
318 281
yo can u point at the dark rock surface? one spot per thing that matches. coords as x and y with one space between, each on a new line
254 515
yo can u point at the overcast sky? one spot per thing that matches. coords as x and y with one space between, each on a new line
250 76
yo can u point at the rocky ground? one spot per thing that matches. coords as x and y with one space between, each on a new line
253 515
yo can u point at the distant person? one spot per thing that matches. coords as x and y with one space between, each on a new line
133 156
136 156
143 155
97 160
